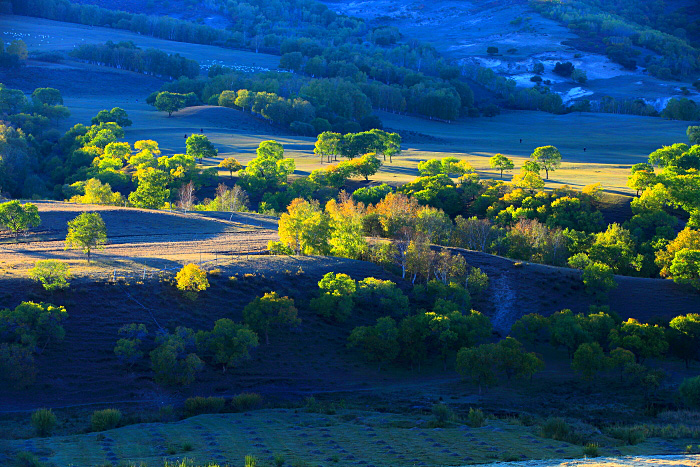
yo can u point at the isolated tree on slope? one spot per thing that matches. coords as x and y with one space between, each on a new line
548 157
501 162
17 218
86 232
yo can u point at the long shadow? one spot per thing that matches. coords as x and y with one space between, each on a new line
399 170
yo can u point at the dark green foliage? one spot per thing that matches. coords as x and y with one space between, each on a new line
371 195
228 344
246 401
381 297
200 405
173 360
116 115
270 310
336 300
379 343
106 419
690 392
44 421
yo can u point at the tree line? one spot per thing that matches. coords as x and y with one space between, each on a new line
619 37
126 56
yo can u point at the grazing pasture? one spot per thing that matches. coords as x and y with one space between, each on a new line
344 437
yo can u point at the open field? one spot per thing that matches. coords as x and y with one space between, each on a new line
138 238
44 35
613 142
347 437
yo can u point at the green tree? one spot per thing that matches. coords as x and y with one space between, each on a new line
641 177
116 115
17 218
169 102
336 299
86 232
172 361
531 328
598 279
685 267
617 248
47 96
231 164
690 392
270 310
199 147
268 169
589 360
304 228
687 238
566 330
688 328
33 324
152 190
548 157
378 343
128 348
229 343
18 48
12 101
328 145
478 364
501 162
514 361
53 274
366 166
693 133
381 296
528 180
644 340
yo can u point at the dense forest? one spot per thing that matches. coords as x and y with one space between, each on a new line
625 32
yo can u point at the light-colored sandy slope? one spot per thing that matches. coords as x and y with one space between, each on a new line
631 461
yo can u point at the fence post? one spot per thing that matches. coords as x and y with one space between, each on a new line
144 274
114 275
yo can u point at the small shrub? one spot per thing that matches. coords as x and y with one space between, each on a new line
43 421
628 434
279 248
199 405
278 460
251 461
215 272
690 392
510 457
105 419
52 274
477 282
556 428
442 413
246 401
591 450
27 459
476 417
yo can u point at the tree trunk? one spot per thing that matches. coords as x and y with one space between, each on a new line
88 255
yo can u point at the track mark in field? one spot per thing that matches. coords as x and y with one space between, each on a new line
503 297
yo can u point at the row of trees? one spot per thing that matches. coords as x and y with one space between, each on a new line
674 56
176 357
126 56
